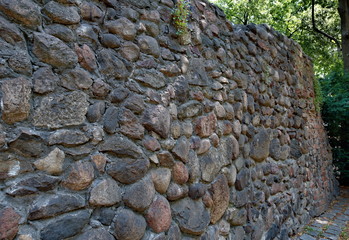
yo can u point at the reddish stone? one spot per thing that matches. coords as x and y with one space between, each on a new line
86 57
206 125
100 161
151 143
166 159
159 215
80 176
207 200
180 173
220 197
9 221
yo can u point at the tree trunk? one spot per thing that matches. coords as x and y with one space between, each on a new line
343 9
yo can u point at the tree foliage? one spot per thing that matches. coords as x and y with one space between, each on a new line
293 19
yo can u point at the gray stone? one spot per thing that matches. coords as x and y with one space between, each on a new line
111 124
53 51
149 45
166 159
211 163
100 88
76 79
260 146
110 65
122 147
129 125
61 14
123 27
94 234
20 63
128 225
106 193
181 150
95 112
53 205
130 51
26 12
219 191
175 191
135 103
190 109
197 73
44 80
191 215
161 178
65 226
52 163
277 151
110 40
10 32
197 190
15 100
128 170
61 110
32 184
67 138
242 179
236 217
91 12
119 94
139 195
150 78
60 31
157 119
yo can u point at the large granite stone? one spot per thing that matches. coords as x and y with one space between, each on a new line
80 176
128 225
157 118
61 13
49 206
9 222
76 79
44 80
123 27
10 32
15 100
53 51
205 126
96 233
68 137
191 215
128 170
150 78
139 195
106 193
219 191
62 110
260 146
26 12
159 215
110 65
52 163
122 147
65 226
181 150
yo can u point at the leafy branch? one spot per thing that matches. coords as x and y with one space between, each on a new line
180 16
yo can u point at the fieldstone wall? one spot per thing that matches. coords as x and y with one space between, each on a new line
113 127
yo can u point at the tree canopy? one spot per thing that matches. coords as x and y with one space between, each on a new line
293 18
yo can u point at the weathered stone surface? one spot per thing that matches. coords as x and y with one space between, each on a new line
53 51
161 179
32 184
95 112
135 103
61 13
260 146
52 163
157 118
53 205
130 51
123 27
151 143
62 110
62 32
100 88
90 12
86 57
175 191
106 193
93 234
219 191
206 125
130 125
9 221
197 190
159 215
139 195
198 75
127 170
44 80
110 65
242 179
20 63
65 226
149 45
118 95
111 124
190 109
277 151
181 150
191 215
26 12
236 217
67 137
180 173
128 225
166 159
80 176
10 32
150 78
122 147
210 164
15 100
230 173
76 79
110 40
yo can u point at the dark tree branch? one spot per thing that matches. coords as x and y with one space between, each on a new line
318 30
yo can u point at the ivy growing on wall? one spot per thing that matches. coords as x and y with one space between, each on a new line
180 16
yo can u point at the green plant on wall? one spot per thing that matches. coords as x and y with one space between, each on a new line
180 16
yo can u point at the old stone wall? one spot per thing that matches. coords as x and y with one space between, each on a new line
113 127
